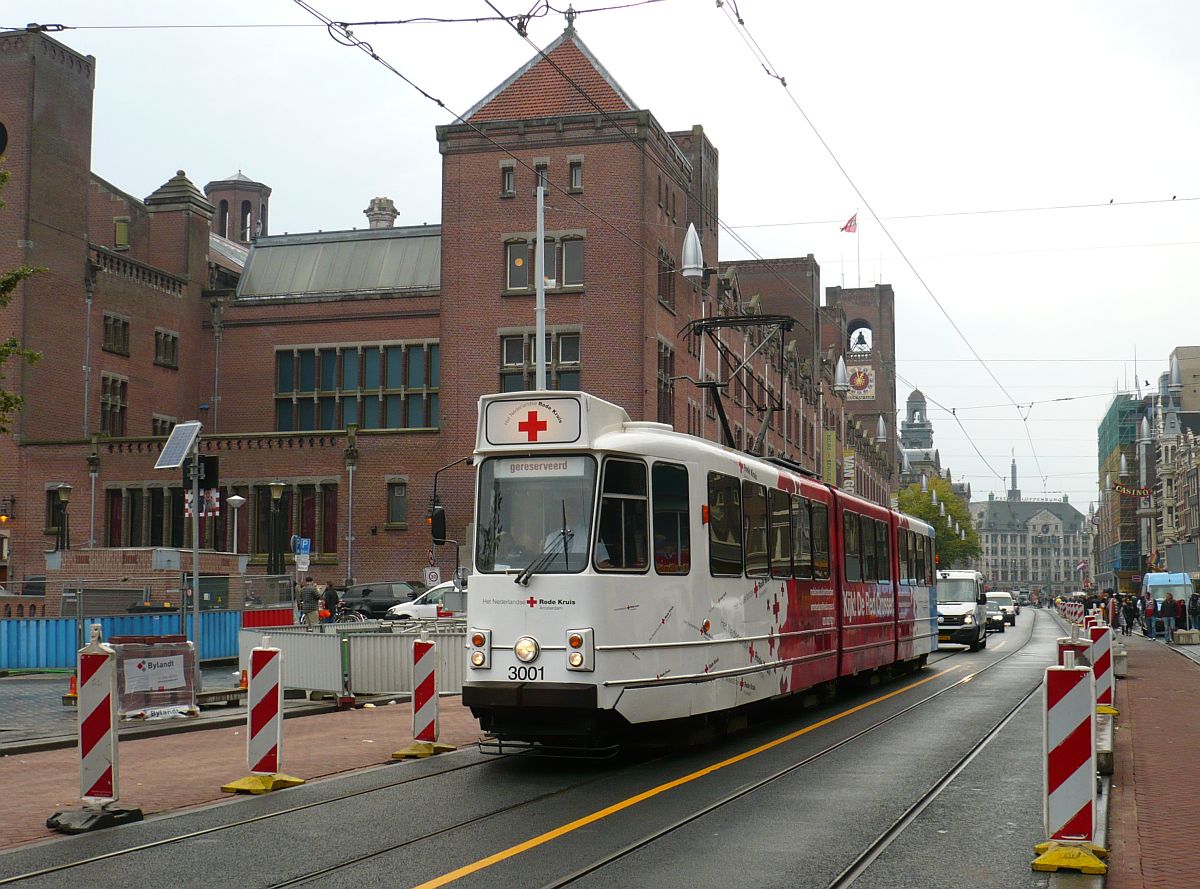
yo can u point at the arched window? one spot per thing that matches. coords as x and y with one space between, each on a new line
223 219
861 337
20 611
33 611
244 222
8 610
262 219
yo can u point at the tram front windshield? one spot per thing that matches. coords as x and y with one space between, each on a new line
535 511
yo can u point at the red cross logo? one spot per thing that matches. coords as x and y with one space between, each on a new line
532 425
531 601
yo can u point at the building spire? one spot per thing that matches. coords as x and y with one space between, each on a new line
570 16
1013 492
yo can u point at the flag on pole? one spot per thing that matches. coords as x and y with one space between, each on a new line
1082 565
851 225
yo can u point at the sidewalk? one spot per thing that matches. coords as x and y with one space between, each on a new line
169 772
1154 805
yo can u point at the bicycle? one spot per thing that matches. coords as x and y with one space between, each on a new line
346 615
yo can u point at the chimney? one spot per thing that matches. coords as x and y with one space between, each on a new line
381 213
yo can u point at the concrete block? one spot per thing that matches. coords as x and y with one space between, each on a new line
1187 637
1104 744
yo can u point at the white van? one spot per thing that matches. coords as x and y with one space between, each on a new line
962 609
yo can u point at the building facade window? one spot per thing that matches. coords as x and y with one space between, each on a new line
113 400
517 368
116 333
397 504
575 176
666 383
161 426
562 257
666 279
376 386
508 182
543 176
166 348
121 233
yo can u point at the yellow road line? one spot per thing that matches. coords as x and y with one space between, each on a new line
600 814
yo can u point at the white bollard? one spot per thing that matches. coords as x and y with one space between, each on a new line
1069 772
99 766
264 725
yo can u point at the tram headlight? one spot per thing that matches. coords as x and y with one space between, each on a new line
478 658
526 649
575 659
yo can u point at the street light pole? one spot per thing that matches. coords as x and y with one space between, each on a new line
236 502
195 472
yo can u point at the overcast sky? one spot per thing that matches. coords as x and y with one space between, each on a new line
947 111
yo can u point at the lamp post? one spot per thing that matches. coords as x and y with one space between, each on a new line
64 520
236 502
274 547
93 464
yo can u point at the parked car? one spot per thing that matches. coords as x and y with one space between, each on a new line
1007 607
373 600
444 600
1023 598
995 617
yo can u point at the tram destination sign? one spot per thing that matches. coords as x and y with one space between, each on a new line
533 421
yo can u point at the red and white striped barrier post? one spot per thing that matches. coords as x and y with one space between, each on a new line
99 767
1069 771
424 704
264 725
1102 666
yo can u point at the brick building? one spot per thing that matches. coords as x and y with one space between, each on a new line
348 364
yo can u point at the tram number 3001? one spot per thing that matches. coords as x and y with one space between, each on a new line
526 673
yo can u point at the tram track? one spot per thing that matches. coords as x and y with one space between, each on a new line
880 844
352 861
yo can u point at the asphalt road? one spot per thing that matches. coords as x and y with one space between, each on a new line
516 822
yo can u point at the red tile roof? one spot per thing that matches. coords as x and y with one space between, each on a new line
541 91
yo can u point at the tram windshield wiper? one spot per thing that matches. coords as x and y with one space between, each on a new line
549 551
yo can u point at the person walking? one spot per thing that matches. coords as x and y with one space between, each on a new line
1194 610
1148 617
310 602
1168 613
1129 615
330 600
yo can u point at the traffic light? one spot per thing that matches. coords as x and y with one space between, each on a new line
6 509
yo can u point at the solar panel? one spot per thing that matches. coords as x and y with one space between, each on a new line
178 445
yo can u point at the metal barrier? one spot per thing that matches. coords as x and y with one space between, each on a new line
378 655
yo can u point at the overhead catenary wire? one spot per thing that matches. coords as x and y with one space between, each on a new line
739 26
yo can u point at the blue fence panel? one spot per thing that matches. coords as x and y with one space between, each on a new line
52 642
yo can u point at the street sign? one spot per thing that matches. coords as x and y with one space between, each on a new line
433 575
302 562
301 546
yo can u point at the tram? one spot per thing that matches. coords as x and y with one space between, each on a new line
629 578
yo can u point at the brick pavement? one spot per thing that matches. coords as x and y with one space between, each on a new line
1154 806
170 772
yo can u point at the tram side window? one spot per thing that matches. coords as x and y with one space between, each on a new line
754 521
920 559
820 526
906 551
802 538
672 529
724 526
621 538
868 548
853 544
883 556
781 534
929 558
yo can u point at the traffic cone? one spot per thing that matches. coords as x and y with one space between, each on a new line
245 683
73 689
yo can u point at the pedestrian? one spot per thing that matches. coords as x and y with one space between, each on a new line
1148 617
1181 613
1129 614
330 599
1194 610
1168 612
310 602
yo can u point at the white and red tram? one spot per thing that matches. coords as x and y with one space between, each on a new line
628 576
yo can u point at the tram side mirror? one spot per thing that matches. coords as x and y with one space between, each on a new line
437 525
982 600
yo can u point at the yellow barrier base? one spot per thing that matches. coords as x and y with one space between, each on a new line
1083 857
422 749
261 783
1107 710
